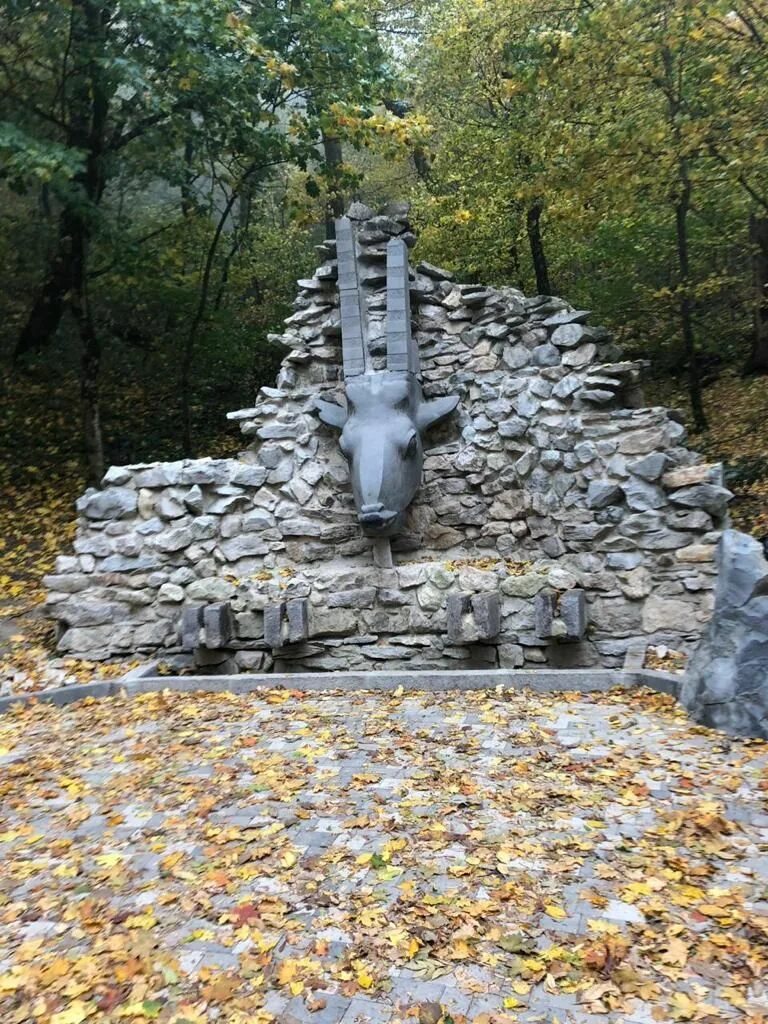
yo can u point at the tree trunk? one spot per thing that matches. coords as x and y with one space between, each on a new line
682 209
187 183
421 163
88 103
188 354
540 267
758 236
48 308
336 202
65 280
90 372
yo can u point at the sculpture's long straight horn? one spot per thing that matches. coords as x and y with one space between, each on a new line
402 351
352 302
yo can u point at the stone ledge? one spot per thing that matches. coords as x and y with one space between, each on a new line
538 680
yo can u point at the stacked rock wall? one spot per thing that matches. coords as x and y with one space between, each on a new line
560 522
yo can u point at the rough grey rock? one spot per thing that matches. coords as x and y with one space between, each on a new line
171 593
486 613
116 476
191 624
568 335
111 503
637 583
472 617
359 211
710 497
516 356
544 614
247 545
601 494
651 467
430 270
581 356
362 597
545 355
527 585
561 579
666 613
174 540
726 684
273 625
568 316
514 427
642 495
213 588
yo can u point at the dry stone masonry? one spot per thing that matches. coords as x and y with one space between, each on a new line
560 522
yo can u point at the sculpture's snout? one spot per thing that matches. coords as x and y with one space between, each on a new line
375 519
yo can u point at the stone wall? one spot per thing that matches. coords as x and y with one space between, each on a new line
560 521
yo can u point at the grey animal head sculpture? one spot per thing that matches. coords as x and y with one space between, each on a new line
386 414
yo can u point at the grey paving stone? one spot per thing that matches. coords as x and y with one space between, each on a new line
222 959
410 988
455 1001
487 1003
470 787
334 1011
367 1011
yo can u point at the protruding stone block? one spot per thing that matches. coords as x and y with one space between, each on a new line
273 623
297 612
487 615
218 626
573 612
544 613
286 622
191 624
458 606
473 617
562 617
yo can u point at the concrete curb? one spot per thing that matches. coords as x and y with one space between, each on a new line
141 680
62 695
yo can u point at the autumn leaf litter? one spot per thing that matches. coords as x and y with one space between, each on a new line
486 857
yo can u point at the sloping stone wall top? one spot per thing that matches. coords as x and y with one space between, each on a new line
551 477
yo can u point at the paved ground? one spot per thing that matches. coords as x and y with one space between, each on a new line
368 858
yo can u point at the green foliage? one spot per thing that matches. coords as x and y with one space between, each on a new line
27 160
598 109
143 128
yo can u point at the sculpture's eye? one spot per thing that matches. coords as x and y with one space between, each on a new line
412 446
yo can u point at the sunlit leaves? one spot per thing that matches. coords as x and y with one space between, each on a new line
230 816
593 106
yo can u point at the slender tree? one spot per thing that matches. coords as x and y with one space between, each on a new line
93 95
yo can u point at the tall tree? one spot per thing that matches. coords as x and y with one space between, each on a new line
200 95
614 125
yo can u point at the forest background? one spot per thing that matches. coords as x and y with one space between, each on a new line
167 167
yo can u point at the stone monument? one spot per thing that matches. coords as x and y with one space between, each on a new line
386 414
726 683
538 513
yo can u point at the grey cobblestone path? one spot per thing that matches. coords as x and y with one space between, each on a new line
362 859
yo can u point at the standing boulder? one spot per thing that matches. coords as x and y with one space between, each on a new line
726 685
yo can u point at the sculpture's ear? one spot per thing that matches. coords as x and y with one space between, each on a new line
435 410
331 413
